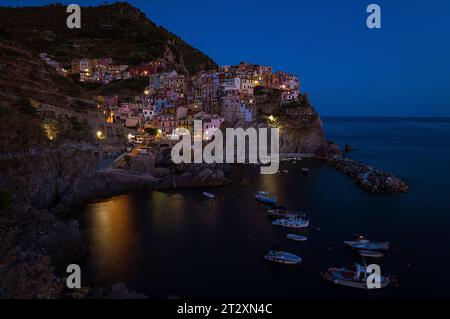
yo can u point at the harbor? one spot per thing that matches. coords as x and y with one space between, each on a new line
140 238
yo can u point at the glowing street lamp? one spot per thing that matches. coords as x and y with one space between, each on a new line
271 118
99 135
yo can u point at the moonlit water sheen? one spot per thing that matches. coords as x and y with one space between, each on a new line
180 243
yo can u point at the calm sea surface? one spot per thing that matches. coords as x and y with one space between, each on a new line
179 243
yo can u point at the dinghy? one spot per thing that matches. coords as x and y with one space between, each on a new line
291 222
282 257
285 213
355 278
209 195
367 244
370 253
296 237
266 199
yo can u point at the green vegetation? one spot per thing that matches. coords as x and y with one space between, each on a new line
20 128
118 31
151 131
128 87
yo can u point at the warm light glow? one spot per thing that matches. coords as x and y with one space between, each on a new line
146 92
100 134
271 118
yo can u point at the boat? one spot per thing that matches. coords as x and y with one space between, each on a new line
209 195
305 170
266 199
296 237
264 193
367 244
282 257
370 253
285 213
291 222
355 278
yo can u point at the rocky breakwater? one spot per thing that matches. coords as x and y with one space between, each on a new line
365 176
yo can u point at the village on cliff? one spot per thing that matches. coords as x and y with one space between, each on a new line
173 101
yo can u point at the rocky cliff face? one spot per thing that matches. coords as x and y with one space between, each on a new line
301 128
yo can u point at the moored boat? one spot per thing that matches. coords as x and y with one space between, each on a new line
282 257
355 278
296 237
367 244
370 253
266 199
285 213
291 222
209 195
305 170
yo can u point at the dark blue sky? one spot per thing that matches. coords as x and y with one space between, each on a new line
401 70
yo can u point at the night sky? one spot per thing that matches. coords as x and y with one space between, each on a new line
401 70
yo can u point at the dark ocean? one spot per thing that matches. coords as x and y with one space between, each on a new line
178 243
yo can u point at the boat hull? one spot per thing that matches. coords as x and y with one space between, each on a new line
351 283
296 237
291 224
368 245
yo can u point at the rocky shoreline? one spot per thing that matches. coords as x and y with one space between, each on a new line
37 239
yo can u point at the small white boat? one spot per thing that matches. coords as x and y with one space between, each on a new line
209 195
282 257
264 193
296 237
286 213
291 222
266 199
305 170
367 244
370 253
355 278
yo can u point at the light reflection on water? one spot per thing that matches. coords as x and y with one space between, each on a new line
178 242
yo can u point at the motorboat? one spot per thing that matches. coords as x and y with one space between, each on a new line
291 222
264 193
367 244
282 257
296 237
355 278
285 213
305 170
370 253
266 199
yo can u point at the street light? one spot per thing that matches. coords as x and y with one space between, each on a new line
99 135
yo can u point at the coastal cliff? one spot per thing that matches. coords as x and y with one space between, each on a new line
49 156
